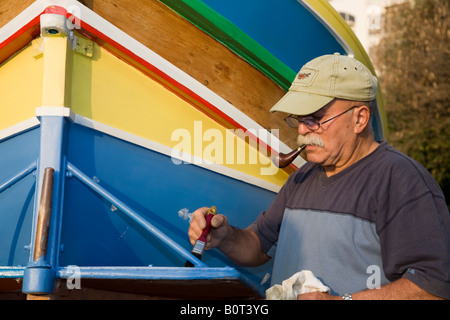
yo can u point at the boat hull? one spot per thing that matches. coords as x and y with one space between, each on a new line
142 122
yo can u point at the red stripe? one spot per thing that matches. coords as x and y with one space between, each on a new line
160 73
34 22
172 81
56 10
62 11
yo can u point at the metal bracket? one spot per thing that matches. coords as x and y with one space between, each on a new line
37 47
83 46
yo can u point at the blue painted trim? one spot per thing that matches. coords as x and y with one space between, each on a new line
158 273
11 272
39 276
22 174
133 215
52 149
136 273
150 273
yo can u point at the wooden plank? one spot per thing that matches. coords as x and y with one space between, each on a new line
9 9
106 289
187 47
22 40
199 55
213 289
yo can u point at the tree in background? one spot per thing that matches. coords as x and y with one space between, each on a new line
413 64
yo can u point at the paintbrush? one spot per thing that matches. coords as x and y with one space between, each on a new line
199 246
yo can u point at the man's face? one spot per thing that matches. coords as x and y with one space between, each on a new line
333 143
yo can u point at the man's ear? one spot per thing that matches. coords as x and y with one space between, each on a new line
362 118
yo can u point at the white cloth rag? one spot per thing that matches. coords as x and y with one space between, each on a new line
301 282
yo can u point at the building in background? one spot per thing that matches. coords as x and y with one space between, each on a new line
365 17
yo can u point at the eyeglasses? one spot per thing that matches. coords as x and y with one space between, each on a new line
312 124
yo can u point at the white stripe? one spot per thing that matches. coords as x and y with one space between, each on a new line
179 75
151 57
55 111
155 146
140 141
18 128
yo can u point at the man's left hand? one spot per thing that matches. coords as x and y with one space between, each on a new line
317 296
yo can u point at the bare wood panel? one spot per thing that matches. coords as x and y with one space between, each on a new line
122 289
199 55
158 289
18 44
190 49
9 9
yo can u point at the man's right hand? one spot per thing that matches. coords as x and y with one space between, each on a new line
242 246
219 230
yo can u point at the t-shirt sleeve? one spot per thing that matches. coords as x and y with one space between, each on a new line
415 238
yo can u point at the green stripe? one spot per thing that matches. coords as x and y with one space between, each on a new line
221 29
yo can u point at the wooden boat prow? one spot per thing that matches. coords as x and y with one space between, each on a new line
103 92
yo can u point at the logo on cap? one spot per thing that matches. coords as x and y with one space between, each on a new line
302 76
305 77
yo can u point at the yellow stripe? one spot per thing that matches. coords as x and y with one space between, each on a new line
20 87
110 91
54 83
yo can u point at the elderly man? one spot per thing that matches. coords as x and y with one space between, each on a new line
357 206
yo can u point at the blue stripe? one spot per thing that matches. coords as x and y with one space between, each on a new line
151 184
284 27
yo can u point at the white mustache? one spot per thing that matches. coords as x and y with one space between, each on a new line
310 139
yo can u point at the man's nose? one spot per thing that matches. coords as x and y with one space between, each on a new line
303 129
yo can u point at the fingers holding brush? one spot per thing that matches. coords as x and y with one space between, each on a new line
199 224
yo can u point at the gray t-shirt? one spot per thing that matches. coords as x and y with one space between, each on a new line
380 219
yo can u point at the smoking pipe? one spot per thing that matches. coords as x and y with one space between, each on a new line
282 160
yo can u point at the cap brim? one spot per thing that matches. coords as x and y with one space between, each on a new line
301 103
